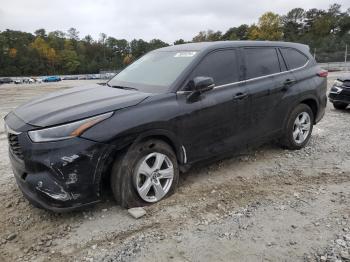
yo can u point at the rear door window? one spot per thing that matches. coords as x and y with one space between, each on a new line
221 65
294 59
260 62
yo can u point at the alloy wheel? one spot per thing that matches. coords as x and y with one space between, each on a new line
154 176
301 127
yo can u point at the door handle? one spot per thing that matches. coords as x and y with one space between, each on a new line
287 83
240 96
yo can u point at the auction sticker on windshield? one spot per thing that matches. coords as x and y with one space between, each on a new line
185 54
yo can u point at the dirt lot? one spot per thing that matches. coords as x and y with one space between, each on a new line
267 204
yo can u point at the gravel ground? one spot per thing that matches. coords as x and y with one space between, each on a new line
267 204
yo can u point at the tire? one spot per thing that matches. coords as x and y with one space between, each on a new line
340 105
128 177
300 140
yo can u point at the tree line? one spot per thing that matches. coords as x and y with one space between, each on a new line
44 53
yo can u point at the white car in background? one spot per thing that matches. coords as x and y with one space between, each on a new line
28 80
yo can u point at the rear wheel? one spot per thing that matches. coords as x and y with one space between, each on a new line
299 127
339 105
146 174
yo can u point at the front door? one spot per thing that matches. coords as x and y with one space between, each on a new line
215 122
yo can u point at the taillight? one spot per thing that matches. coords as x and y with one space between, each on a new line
323 73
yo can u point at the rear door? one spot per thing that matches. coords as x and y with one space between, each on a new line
296 78
268 81
216 121
304 75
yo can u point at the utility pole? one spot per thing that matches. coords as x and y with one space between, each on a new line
346 56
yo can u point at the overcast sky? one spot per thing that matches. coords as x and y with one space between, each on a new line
147 19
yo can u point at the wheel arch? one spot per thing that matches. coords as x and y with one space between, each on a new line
159 134
313 104
309 100
168 137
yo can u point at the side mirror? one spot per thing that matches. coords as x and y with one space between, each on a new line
201 84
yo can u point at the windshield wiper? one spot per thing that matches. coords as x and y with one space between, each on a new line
124 87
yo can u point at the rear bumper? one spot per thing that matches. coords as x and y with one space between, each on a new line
322 109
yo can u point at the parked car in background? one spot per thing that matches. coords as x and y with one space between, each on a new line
110 75
6 80
92 77
28 80
18 81
52 79
339 94
171 108
70 78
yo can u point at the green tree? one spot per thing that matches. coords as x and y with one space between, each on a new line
70 61
40 33
200 37
156 43
269 27
209 35
179 42
293 24
253 32
88 39
139 47
21 53
230 34
242 32
73 34
69 57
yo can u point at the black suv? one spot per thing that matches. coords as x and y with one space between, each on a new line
169 109
339 94
6 80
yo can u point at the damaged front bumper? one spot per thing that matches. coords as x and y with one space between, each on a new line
342 97
58 176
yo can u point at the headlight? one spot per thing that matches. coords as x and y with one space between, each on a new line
66 131
338 83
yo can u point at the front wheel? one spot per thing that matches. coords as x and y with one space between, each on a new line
146 174
340 105
299 127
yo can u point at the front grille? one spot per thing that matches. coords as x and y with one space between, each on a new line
342 97
14 145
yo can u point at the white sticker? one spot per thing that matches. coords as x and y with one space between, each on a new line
185 54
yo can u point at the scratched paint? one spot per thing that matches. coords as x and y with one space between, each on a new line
72 178
69 159
62 195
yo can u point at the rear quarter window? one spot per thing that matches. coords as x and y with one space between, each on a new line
293 58
261 62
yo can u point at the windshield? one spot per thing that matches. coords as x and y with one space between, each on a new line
154 72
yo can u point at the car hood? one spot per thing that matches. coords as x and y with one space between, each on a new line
345 78
77 103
